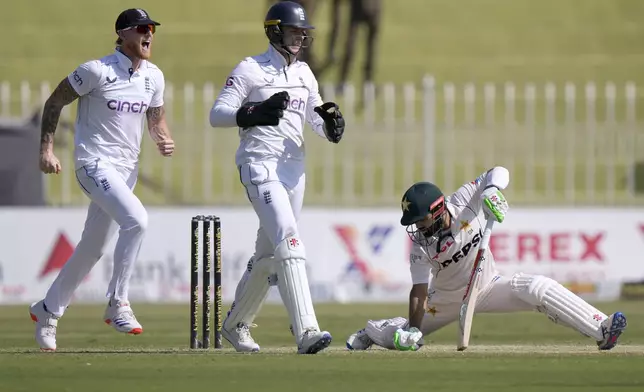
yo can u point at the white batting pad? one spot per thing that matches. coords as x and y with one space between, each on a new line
293 285
559 304
382 331
250 294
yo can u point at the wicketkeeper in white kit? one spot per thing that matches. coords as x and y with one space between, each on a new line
446 233
115 95
269 97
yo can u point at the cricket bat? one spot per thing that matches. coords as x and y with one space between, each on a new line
472 291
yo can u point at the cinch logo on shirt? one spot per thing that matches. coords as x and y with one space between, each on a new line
125 106
297 104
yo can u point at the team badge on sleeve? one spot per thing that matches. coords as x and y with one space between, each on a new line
230 81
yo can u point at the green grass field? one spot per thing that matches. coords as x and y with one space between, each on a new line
461 41
507 353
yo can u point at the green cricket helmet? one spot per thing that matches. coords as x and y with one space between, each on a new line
420 200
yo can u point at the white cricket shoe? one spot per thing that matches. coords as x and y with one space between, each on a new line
121 317
46 324
612 328
359 341
240 338
314 341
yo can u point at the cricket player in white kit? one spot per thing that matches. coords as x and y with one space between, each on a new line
446 233
115 96
269 97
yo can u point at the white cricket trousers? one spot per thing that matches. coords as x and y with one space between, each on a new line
520 292
496 297
113 205
276 191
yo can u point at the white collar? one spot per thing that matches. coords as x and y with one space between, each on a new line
125 63
277 58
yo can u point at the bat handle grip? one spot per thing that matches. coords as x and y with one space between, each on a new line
485 241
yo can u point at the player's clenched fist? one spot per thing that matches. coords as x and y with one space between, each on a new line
333 121
49 163
268 112
166 147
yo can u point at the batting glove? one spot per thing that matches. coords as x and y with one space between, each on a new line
407 340
494 204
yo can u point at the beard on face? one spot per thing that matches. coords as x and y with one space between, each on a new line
136 48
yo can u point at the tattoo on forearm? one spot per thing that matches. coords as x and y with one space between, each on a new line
156 123
64 94
155 115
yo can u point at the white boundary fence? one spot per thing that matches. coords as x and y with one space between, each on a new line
563 143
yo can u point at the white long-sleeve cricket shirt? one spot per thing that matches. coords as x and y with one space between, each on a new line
450 261
255 79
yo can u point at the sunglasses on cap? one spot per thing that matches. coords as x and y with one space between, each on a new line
142 29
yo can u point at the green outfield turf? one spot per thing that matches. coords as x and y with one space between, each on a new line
507 353
462 40
478 41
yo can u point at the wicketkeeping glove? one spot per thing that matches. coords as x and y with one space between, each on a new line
333 121
268 112
494 204
407 340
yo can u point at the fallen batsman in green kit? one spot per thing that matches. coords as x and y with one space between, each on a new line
446 233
